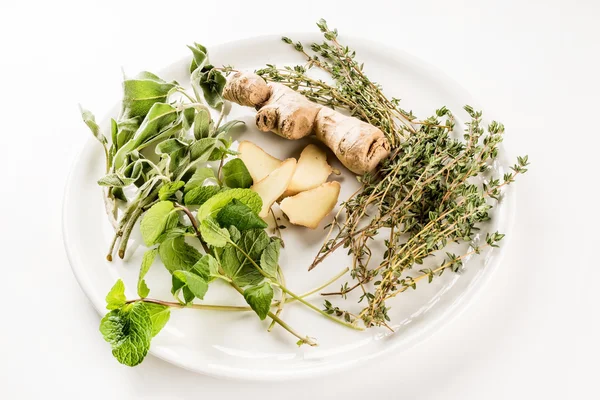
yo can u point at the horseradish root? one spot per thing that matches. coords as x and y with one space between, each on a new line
311 171
358 145
258 162
308 208
274 185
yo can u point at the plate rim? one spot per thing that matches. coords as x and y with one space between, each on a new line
470 294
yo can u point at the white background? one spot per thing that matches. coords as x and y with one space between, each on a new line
534 332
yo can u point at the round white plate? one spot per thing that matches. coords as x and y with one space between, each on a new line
236 344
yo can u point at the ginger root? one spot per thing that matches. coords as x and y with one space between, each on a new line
308 208
311 171
258 162
273 185
358 145
246 89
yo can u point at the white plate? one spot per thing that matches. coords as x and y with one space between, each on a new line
237 345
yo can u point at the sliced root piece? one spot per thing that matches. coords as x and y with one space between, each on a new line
310 207
312 170
259 163
273 185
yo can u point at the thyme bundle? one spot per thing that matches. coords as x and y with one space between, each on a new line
423 197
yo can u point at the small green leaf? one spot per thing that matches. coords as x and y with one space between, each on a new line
234 262
269 258
259 298
170 146
158 219
213 205
241 216
198 178
202 122
116 296
176 254
236 175
195 283
228 127
90 121
200 56
169 189
115 180
205 149
129 331
199 195
207 267
147 261
159 315
142 92
212 84
213 234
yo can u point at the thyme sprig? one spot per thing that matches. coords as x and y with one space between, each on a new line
423 197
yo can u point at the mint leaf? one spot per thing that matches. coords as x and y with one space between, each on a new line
159 315
213 205
213 234
147 261
207 267
236 265
259 298
270 258
198 196
195 283
129 331
116 296
198 178
236 175
176 254
169 189
241 216
158 219
202 123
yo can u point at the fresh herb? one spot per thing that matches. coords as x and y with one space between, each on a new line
422 197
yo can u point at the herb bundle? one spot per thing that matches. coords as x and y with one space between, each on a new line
236 248
422 198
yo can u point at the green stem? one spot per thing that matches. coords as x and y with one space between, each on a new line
127 231
174 304
275 318
295 296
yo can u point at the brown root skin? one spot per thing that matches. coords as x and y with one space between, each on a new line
358 145
246 89
287 113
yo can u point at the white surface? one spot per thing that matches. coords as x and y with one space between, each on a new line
210 342
532 334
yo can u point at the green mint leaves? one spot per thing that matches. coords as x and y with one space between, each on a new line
241 216
158 219
168 190
213 205
236 175
116 296
176 254
129 331
213 234
147 261
129 328
259 298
